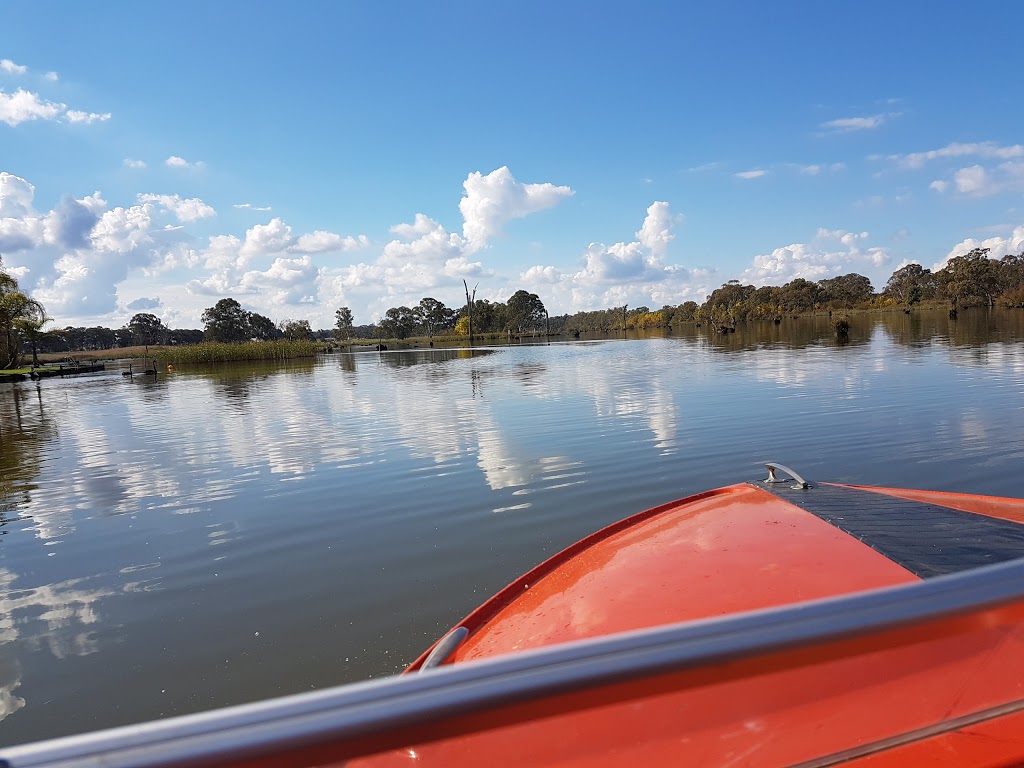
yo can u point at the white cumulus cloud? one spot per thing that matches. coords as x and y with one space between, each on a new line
979 181
540 275
632 272
286 281
1009 245
426 255
136 164
180 162
16 196
493 200
266 239
11 68
320 242
656 232
817 260
973 181
23 106
122 230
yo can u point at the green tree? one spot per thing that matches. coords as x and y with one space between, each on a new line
434 316
399 323
525 311
910 284
973 276
296 330
847 290
32 328
1011 272
685 311
262 328
226 321
147 329
18 311
343 323
800 295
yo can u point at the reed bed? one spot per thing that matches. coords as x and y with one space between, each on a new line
217 352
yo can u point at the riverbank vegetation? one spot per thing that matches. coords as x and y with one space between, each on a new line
219 352
233 333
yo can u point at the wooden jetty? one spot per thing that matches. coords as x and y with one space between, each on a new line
72 368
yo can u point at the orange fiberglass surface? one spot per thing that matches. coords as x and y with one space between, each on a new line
752 625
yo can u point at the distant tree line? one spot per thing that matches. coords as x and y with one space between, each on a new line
523 313
972 279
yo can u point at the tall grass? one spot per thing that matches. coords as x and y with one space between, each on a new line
217 352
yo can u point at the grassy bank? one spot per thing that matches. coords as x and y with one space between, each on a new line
215 352
207 352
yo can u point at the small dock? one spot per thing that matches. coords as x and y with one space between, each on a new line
72 368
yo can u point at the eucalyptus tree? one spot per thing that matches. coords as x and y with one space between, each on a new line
343 323
296 330
262 328
910 284
801 295
1011 272
399 323
973 276
525 311
847 290
434 316
226 321
148 329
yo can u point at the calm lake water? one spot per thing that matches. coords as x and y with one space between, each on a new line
216 536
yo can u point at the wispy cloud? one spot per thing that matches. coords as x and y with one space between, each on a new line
815 170
984 149
130 163
705 167
88 118
251 207
849 124
753 174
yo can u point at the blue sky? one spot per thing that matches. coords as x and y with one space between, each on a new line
301 157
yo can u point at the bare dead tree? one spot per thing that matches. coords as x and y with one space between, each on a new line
470 302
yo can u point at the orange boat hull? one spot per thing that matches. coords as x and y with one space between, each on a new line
738 627
728 551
